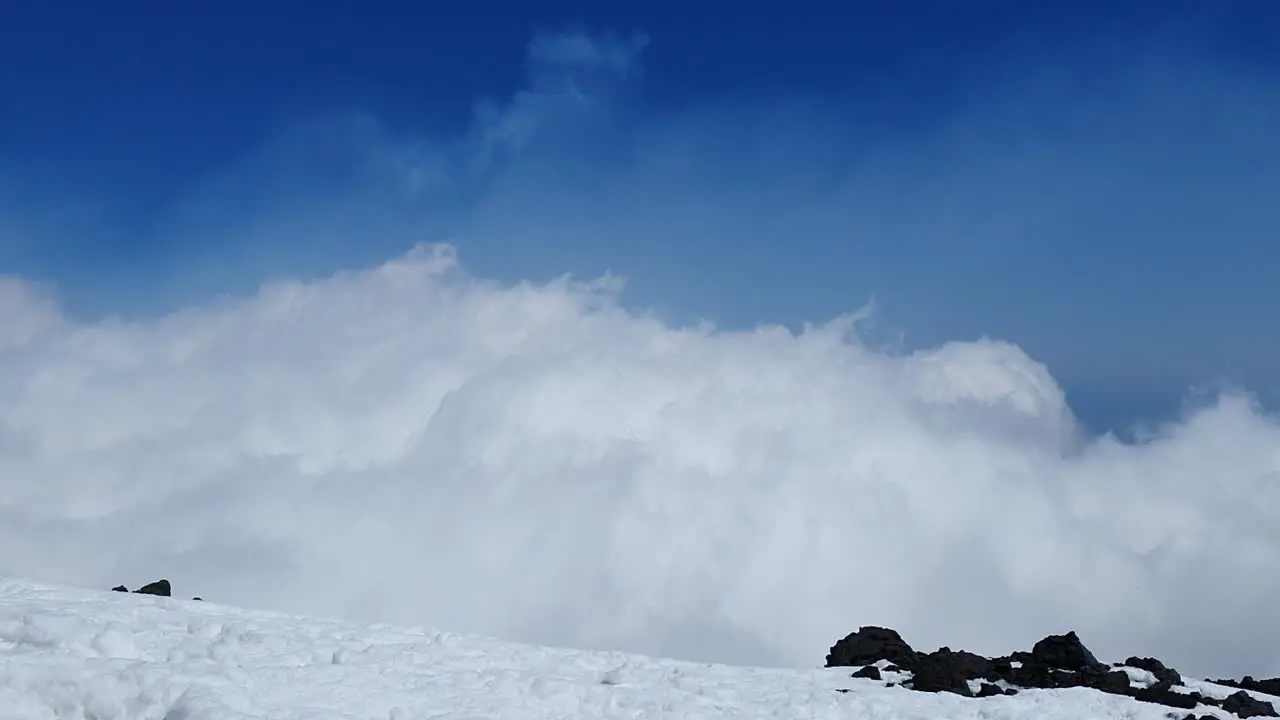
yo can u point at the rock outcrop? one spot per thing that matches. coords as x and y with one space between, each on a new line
1057 661
159 588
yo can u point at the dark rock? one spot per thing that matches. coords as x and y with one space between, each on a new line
1002 665
936 674
1161 694
1033 675
989 690
1155 667
870 672
1270 687
971 666
946 670
1057 661
160 587
197 598
870 644
1064 652
1245 705
120 588
1115 682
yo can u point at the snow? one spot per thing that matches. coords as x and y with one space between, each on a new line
77 654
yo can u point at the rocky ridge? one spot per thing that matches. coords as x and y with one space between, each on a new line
1057 661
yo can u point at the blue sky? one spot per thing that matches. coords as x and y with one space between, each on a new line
1089 180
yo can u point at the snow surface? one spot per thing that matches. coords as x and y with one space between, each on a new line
88 655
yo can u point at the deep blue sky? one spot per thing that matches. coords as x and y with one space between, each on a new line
1092 180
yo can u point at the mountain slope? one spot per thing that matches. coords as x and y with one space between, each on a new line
82 654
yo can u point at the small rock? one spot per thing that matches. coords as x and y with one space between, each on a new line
160 587
989 690
1163 673
1115 682
870 672
1161 694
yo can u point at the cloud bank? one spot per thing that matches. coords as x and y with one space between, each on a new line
419 441
412 443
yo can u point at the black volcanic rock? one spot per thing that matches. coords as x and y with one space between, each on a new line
1029 675
972 666
160 587
1162 694
940 673
1270 687
870 672
1155 667
1056 661
1064 652
989 690
1245 705
945 670
869 644
1115 682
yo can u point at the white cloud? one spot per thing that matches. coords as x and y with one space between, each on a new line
412 443
534 460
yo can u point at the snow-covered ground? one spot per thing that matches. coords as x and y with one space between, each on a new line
89 655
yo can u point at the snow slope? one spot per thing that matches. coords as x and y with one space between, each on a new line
87 655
